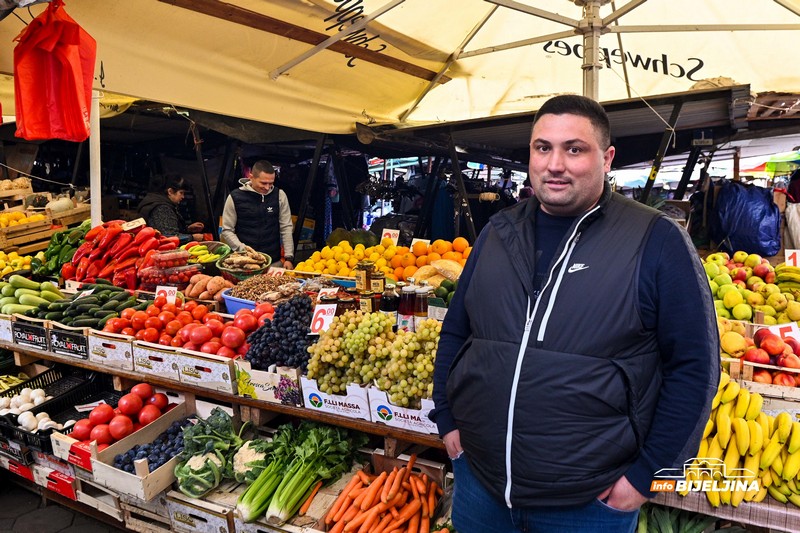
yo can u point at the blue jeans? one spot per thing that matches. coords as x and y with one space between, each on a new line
476 511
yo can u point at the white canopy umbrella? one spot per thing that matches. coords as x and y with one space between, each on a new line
324 65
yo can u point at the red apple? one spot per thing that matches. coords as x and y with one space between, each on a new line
790 361
770 277
761 270
739 273
762 375
760 334
740 283
772 344
793 343
756 355
784 379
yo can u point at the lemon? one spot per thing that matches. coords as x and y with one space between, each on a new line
374 256
315 257
389 253
380 263
358 253
326 253
352 262
387 242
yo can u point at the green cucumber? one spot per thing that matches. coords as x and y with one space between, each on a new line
130 302
58 306
86 300
111 304
66 320
87 308
105 319
102 313
10 309
54 315
23 283
30 299
84 322
121 296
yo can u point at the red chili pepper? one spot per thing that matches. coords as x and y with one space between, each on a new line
96 254
81 252
120 244
131 251
93 271
123 265
146 246
167 246
68 271
92 234
108 269
189 245
147 259
144 234
80 273
113 222
112 232
173 238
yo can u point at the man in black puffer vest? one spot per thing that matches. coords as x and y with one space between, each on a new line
257 215
580 354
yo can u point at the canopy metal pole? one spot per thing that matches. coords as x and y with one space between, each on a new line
662 150
591 26
95 205
691 162
462 191
312 174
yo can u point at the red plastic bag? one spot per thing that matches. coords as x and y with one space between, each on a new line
53 72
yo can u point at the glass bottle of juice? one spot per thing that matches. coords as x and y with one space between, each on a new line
420 305
390 302
405 309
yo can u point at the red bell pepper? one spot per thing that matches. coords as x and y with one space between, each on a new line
120 244
68 271
174 239
80 273
113 222
92 234
167 246
94 268
147 259
81 252
95 254
108 269
131 251
144 234
124 265
112 232
146 246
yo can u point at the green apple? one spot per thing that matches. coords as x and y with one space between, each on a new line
717 258
742 312
752 260
732 299
722 279
712 269
769 320
740 256
724 313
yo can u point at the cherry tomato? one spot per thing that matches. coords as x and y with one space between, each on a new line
172 327
151 334
101 414
148 414
153 322
166 316
82 429
138 319
143 391
160 400
120 427
199 312
101 434
130 404
152 310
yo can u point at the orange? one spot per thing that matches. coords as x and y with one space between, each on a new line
408 259
466 252
455 256
400 250
409 271
441 247
460 244
419 248
422 261
433 256
396 260
463 262
398 273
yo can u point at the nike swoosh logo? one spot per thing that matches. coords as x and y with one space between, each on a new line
576 268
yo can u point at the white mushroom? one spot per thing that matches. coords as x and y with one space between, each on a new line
42 415
37 400
26 406
14 411
46 423
5 402
38 392
4 411
27 421
67 424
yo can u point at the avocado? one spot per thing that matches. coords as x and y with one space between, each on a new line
441 292
448 285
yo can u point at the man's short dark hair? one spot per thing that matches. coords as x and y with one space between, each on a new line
262 166
573 104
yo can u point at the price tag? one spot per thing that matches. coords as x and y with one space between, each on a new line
785 331
133 224
276 271
393 234
83 408
170 293
72 285
426 241
792 258
85 293
322 318
327 291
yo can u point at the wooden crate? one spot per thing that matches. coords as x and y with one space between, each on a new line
144 521
14 197
70 217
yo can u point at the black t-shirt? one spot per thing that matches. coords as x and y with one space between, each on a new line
550 231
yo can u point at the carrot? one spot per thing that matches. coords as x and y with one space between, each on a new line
304 508
343 509
355 493
363 476
432 498
373 491
371 520
414 489
388 517
439 491
424 509
424 524
413 523
388 486
394 512
406 485
410 465
421 485
406 513
396 483
337 528
351 513
340 500
367 517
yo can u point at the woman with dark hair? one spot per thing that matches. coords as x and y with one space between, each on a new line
160 210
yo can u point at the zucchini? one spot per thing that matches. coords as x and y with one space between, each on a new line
23 283
30 299
20 292
49 296
8 300
84 322
49 287
8 290
10 309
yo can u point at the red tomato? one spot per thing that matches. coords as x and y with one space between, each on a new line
136 426
120 427
82 429
151 334
127 313
160 400
211 316
246 322
101 447
176 341
172 327
242 350
215 325
262 308
148 414
184 317
101 434
139 335
165 317
233 337
199 312
210 347
263 318
160 301
226 352
170 308
165 340
241 312
138 319
189 306
128 331
143 391
153 322
130 404
152 310
186 330
191 346
101 414
200 334
117 411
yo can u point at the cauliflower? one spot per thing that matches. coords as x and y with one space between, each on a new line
196 462
250 460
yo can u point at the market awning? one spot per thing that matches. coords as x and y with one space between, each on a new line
325 65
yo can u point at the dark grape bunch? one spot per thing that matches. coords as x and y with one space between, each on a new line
287 391
284 340
162 449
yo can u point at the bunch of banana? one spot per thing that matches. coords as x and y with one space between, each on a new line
752 446
787 278
9 380
200 254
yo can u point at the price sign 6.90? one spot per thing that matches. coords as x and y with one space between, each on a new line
170 293
322 318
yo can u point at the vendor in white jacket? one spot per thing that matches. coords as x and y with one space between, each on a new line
257 215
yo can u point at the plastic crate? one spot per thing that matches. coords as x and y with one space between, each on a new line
63 408
55 382
233 304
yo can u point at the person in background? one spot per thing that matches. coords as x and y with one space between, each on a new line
257 215
160 211
526 191
793 189
580 353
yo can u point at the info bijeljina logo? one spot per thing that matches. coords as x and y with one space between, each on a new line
703 474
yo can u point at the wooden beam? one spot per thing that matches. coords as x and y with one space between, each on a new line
259 21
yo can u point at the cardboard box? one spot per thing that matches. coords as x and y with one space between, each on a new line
30 332
742 371
155 360
17 468
354 404
55 481
143 484
206 370
72 451
264 385
383 411
190 515
6 334
111 349
51 461
100 498
14 450
66 340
